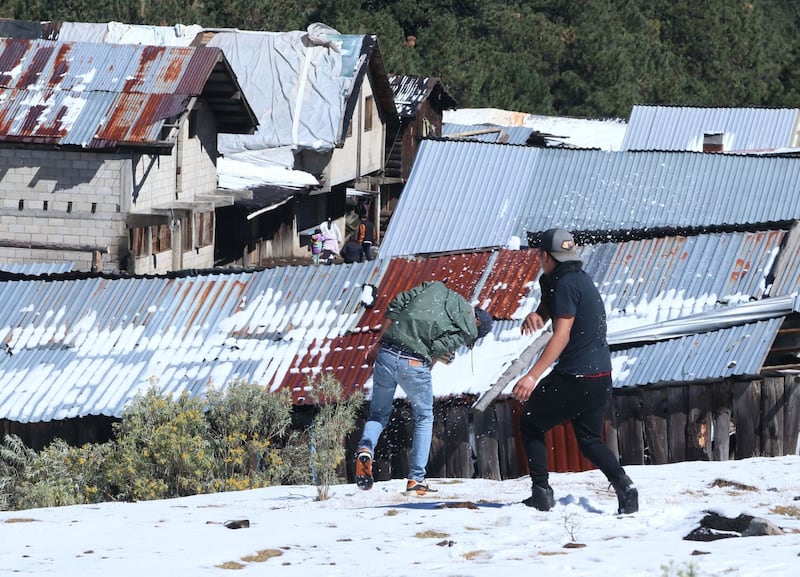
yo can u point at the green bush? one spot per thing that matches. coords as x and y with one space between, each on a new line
249 427
58 475
237 438
161 449
335 419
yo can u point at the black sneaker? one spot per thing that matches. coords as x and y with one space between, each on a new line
541 498
364 478
627 495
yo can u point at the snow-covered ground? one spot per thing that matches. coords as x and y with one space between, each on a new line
485 532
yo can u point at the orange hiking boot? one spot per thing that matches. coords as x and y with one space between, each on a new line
420 488
364 478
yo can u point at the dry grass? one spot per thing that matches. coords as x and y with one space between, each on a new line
263 555
787 511
733 484
431 535
230 565
20 520
471 555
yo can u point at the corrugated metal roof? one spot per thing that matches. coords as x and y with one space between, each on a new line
459 196
36 269
669 277
75 348
466 195
716 355
107 95
411 91
684 127
86 346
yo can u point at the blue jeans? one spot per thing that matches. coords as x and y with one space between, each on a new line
414 377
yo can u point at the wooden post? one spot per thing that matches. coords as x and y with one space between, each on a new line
772 401
791 416
512 457
721 412
677 401
747 418
487 449
456 436
629 424
698 425
654 422
610 428
437 462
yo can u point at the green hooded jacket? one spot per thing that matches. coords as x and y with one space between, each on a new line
431 320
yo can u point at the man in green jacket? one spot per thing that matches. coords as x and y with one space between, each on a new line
424 324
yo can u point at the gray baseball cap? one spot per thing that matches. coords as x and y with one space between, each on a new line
560 244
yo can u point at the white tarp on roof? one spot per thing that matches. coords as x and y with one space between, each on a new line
294 83
119 33
578 132
235 174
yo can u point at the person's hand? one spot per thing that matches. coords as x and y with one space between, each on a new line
372 353
524 387
448 358
532 323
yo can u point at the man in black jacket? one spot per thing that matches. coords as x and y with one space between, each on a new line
579 386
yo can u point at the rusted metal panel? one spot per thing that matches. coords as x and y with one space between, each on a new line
102 95
509 282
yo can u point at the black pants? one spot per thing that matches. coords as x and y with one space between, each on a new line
366 248
558 398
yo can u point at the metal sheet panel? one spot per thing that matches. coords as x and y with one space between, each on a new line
86 347
98 95
709 356
466 195
683 128
461 196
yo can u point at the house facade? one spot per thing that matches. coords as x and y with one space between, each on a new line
108 153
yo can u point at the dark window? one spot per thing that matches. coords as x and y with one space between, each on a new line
369 104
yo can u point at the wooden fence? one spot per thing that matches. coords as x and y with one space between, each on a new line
645 425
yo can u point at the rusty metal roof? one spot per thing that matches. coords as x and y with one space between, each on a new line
103 96
78 345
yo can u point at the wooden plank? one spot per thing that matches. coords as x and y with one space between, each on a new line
512 373
721 414
487 453
791 415
677 408
699 423
513 462
772 417
629 428
437 461
456 436
747 419
654 425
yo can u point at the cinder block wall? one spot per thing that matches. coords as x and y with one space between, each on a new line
61 198
83 198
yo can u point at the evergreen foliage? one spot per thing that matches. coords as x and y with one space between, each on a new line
335 419
162 449
594 58
237 438
249 427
